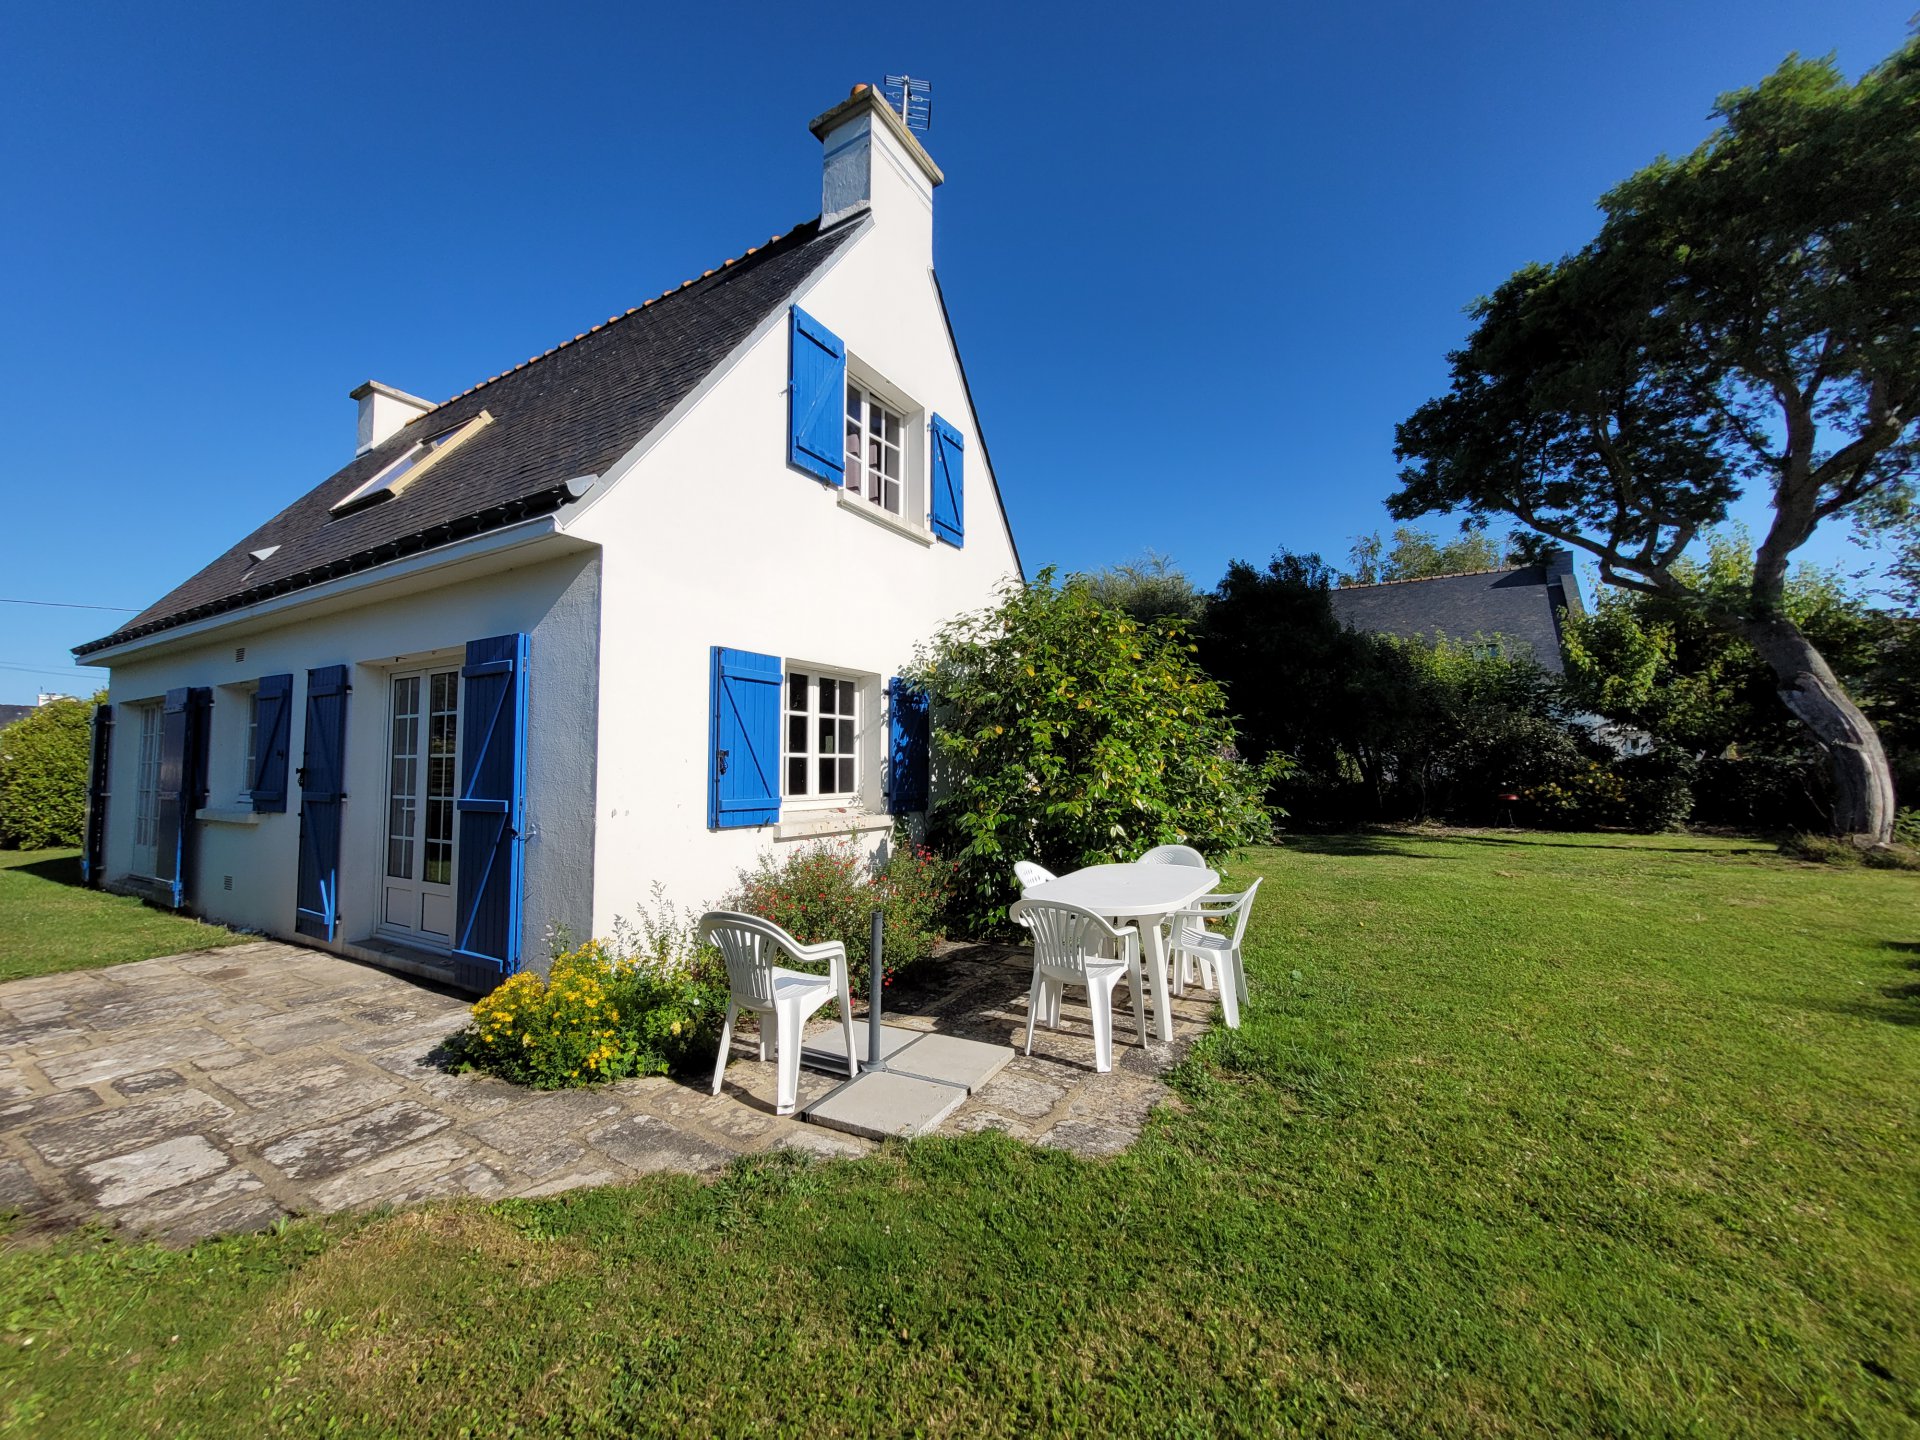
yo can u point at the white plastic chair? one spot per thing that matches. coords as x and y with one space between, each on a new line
1029 874
783 999
1173 855
1072 946
1216 952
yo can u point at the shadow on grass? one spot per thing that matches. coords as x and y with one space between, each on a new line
1357 844
63 871
1531 840
1362 843
1899 1005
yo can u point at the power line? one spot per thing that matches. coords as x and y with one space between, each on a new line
72 605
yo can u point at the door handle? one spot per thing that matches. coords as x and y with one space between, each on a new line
720 762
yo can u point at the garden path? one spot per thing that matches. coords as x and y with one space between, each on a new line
220 1090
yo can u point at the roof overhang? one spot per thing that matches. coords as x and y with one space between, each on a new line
508 548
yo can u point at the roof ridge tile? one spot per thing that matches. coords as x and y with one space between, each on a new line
1443 575
611 319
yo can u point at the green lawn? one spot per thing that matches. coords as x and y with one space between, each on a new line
48 923
1572 1134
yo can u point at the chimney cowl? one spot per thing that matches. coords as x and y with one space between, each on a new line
871 162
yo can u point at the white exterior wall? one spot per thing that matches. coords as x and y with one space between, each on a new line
712 539
703 536
554 601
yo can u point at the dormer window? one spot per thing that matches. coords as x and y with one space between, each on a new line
397 474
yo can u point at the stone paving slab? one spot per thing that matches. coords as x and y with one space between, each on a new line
952 1060
881 1105
217 1091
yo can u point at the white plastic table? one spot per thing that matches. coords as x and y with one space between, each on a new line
1143 894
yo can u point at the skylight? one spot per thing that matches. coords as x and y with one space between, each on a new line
397 474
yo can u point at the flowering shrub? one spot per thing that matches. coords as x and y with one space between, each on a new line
643 1002
829 891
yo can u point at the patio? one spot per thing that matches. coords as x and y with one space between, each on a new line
221 1090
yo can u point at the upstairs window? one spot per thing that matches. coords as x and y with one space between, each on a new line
876 438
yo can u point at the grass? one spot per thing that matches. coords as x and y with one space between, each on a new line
1521 1135
49 923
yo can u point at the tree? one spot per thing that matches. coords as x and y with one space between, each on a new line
1302 685
1071 734
43 775
1661 666
1415 555
1748 314
1374 725
1149 589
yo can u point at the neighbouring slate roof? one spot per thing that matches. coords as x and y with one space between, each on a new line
11 713
1523 605
568 413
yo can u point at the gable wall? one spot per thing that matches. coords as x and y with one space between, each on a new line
712 539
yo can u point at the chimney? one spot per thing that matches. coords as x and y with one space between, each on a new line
1563 584
873 162
384 412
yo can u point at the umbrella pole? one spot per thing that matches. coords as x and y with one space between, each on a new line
876 983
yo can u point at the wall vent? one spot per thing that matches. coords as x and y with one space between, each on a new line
229 883
239 653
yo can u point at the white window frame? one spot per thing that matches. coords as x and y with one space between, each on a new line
910 520
249 745
811 755
869 429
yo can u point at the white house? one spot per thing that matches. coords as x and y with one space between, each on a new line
627 613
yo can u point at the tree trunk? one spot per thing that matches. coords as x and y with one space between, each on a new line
1862 781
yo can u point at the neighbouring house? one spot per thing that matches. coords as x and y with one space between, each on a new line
1518 611
627 614
11 713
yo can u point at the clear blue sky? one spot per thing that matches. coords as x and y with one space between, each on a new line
1201 257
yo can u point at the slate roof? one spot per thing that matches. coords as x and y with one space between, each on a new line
568 413
1524 605
11 713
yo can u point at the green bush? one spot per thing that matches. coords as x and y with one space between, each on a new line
1658 789
829 891
645 1001
1906 827
43 776
1069 733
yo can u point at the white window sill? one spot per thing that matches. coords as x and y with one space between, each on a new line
870 511
804 823
212 816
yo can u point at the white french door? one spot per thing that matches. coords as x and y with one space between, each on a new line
423 762
146 794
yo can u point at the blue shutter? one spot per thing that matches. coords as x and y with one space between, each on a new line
323 793
274 712
491 811
93 857
183 784
908 735
743 760
816 399
949 483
